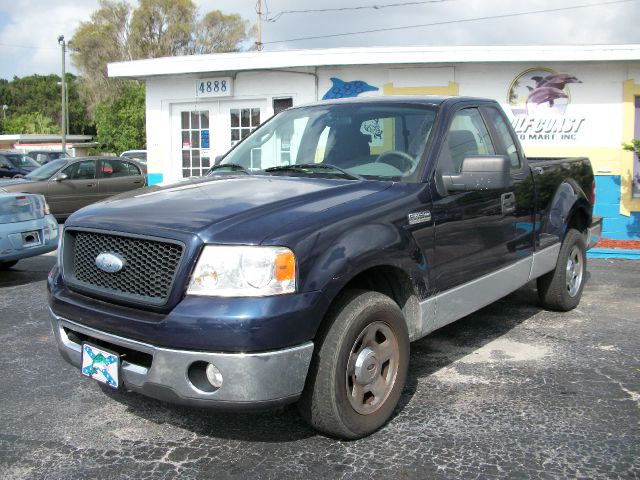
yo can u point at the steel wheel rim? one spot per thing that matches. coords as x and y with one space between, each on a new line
372 368
575 271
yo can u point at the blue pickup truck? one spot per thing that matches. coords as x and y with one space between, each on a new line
314 252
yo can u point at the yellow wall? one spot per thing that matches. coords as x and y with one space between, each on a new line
628 204
451 89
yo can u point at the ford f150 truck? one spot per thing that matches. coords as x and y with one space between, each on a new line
302 266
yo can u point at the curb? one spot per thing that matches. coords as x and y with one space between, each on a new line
613 253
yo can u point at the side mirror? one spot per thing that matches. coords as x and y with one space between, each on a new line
61 177
480 173
217 159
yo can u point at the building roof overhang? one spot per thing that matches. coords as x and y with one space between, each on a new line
253 60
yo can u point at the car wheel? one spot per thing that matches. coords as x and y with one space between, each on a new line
359 367
561 288
5 265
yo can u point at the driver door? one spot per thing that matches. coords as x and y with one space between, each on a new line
473 229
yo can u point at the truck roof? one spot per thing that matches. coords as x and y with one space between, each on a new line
430 100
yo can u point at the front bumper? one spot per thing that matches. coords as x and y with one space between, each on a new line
250 380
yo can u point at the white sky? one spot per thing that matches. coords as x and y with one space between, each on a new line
29 29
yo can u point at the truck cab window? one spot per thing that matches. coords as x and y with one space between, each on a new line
505 135
468 136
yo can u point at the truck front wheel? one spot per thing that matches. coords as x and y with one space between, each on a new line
561 288
359 367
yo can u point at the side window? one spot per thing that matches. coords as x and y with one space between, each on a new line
114 168
505 135
81 170
4 163
133 170
468 136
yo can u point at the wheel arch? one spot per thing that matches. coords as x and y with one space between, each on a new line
392 281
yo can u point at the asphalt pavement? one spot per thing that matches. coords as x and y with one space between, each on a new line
511 391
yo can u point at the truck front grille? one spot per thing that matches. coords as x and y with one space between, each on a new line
148 273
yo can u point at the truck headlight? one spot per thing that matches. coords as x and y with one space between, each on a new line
244 271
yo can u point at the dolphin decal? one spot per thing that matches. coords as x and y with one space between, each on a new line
545 94
342 89
556 80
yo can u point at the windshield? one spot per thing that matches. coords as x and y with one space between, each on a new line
45 172
22 161
379 141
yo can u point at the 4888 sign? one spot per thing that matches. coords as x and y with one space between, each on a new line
214 87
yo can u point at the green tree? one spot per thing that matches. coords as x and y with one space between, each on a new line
633 146
30 123
40 95
217 32
156 28
161 28
120 122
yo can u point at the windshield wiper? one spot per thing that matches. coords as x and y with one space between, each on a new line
233 167
311 167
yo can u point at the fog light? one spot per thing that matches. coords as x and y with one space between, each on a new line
214 376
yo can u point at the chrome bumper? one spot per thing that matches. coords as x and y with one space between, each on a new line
595 232
249 379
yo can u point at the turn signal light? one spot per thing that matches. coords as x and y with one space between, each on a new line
285 266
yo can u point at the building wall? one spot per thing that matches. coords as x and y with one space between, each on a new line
593 115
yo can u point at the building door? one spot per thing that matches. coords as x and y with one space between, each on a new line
195 138
238 119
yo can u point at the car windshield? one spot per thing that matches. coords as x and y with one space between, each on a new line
377 141
45 172
21 161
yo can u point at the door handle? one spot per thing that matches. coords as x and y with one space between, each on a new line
508 201
91 184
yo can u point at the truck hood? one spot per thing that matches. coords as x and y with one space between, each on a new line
229 210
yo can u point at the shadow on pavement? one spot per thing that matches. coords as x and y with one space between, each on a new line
285 424
28 270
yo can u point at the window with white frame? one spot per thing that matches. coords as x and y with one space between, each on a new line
195 143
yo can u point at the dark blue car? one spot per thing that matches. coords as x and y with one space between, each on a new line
14 164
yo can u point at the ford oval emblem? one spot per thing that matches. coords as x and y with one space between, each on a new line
109 262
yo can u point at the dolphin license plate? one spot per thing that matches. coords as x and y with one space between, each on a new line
101 365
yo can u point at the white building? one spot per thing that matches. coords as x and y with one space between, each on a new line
563 101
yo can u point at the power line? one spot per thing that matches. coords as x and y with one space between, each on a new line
32 47
277 16
449 22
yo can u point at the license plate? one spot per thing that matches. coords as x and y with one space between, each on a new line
31 239
101 365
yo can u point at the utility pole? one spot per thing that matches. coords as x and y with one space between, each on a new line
63 87
259 45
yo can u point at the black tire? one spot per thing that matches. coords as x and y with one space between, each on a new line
361 327
561 289
6 265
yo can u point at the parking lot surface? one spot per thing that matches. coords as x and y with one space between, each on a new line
511 391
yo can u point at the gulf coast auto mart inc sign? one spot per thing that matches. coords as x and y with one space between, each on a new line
540 100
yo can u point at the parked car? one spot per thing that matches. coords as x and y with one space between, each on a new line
16 164
305 273
72 183
45 156
27 228
138 155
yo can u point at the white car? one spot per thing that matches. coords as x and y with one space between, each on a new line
139 155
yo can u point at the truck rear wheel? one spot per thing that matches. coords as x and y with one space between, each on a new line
359 367
561 288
